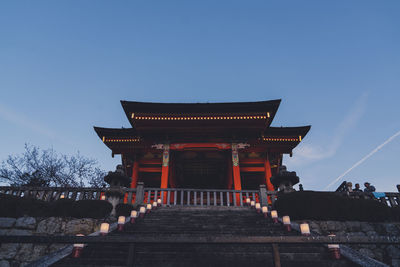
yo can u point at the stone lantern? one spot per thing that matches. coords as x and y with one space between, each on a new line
117 181
285 180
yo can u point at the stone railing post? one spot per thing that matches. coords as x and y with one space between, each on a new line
263 195
139 193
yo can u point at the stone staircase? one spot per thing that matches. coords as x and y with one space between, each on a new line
203 222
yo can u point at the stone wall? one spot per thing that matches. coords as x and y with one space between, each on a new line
22 254
388 254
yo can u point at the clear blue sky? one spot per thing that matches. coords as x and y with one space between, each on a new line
65 65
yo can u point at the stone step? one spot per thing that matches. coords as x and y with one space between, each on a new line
204 222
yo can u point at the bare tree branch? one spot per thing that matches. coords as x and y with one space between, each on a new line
47 168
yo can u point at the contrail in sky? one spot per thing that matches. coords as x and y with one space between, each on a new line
364 158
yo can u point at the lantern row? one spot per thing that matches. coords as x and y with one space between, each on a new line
282 139
120 140
202 118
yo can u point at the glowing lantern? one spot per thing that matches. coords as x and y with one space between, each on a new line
148 208
286 223
104 227
62 196
154 205
158 201
253 204
103 197
133 216
305 229
334 249
274 216
77 250
258 207
248 201
121 222
265 211
142 211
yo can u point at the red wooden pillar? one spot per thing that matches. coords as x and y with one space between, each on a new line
135 176
268 175
172 178
229 175
236 172
165 170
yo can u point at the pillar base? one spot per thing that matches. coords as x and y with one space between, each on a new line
288 227
120 227
132 220
141 215
76 252
335 253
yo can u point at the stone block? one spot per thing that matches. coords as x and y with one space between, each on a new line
332 226
367 227
38 251
26 223
353 226
79 226
341 233
49 226
4 263
4 231
367 252
392 229
372 233
8 251
24 253
356 234
19 232
55 247
315 227
7 222
393 252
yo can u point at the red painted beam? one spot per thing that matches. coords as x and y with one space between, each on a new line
183 146
150 169
150 161
252 169
252 161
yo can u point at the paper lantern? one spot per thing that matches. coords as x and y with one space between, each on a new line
121 222
77 250
305 229
104 227
286 223
274 216
334 249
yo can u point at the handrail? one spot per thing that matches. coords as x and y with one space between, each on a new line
193 239
206 190
175 196
391 199
202 197
54 193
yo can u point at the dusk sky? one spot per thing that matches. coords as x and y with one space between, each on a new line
65 66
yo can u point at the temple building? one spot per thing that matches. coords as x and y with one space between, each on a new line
202 145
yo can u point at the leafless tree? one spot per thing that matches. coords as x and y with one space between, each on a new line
45 167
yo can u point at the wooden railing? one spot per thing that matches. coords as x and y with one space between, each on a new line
174 196
142 195
390 199
54 193
200 197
